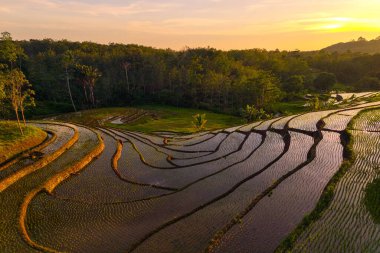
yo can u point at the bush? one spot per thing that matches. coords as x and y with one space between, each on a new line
251 113
199 121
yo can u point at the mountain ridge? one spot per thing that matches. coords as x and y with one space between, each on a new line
360 46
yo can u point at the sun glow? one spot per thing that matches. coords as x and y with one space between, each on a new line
341 24
332 26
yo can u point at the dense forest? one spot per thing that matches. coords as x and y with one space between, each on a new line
83 75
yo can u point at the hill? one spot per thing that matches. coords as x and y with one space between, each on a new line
359 46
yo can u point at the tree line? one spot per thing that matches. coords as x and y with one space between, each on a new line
86 74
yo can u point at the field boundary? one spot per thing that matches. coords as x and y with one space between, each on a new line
17 157
49 187
4 184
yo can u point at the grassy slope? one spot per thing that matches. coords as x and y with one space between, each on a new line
12 142
168 118
92 117
174 119
290 108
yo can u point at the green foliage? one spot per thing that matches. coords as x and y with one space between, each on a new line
158 118
372 199
320 102
295 84
14 87
360 46
68 59
202 77
12 141
324 82
2 89
262 89
9 132
314 104
7 48
19 92
369 83
251 113
44 108
288 108
89 76
199 121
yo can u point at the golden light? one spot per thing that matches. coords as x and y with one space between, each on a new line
342 24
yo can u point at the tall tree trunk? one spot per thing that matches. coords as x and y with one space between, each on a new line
23 115
18 121
126 76
92 96
85 91
68 87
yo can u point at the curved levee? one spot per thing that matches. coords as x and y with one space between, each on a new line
11 179
49 187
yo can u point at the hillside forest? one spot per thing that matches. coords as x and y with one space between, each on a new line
70 76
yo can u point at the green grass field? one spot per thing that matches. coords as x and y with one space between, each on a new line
12 142
290 108
179 120
166 118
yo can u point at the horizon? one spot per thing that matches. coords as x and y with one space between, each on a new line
220 24
186 47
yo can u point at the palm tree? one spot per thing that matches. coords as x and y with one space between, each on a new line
90 75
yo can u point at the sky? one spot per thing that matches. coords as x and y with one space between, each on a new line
176 24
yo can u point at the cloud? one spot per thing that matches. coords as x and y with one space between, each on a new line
91 8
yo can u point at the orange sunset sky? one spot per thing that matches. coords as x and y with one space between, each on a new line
223 24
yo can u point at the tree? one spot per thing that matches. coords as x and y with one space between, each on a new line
2 90
2 84
369 83
126 66
8 49
68 61
262 89
19 91
26 99
295 84
89 76
324 82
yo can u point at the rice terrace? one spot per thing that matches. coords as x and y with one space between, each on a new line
218 126
227 190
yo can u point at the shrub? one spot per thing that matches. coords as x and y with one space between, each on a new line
251 113
199 121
